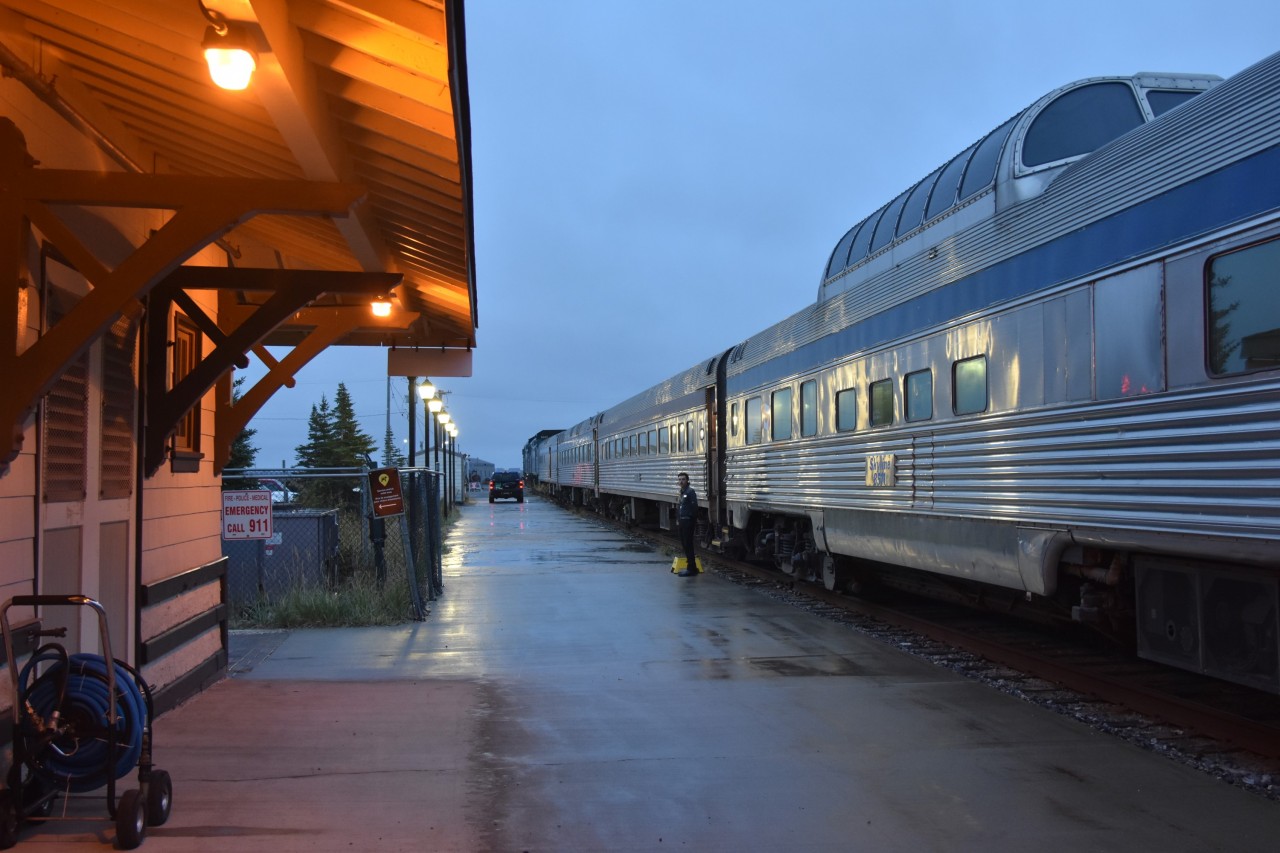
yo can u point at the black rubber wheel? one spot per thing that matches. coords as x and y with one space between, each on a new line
131 820
159 798
490 498
8 820
520 499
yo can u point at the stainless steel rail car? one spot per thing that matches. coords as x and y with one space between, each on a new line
647 440
1052 368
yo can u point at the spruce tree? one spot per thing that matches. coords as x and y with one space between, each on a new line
352 445
392 457
243 453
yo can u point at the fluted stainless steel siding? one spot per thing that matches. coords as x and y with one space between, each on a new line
1205 463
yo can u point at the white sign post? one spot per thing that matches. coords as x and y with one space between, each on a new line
246 514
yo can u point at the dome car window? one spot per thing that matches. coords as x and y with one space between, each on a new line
1080 121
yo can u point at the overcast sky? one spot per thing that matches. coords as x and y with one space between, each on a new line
657 180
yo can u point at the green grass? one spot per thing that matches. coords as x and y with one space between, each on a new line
357 601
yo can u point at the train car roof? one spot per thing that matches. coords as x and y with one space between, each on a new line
1025 153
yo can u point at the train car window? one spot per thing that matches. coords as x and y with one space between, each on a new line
692 447
635 444
918 395
880 400
808 408
644 444
1162 102
944 192
1080 121
847 410
840 257
653 441
1244 314
733 419
680 438
863 240
780 414
664 440
969 385
981 172
913 210
754 406
888 224
1129 334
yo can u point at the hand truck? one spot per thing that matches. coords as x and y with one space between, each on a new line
78 723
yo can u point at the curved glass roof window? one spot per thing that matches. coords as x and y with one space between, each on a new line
982 167
913 210
840 257
863 241
944 194
1161 102
888 223
1080 121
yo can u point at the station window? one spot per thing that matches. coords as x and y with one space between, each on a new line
1244 315
186 355
664 442
847 409
780 414
969 385
808 408
918 395
754 406
880 397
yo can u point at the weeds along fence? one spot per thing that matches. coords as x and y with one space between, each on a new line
326 544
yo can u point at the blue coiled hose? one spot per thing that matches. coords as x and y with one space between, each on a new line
71 746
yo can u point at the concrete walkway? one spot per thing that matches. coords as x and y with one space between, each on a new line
569 694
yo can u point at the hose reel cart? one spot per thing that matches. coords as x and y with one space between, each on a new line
79 724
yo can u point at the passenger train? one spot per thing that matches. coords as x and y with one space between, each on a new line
1047 374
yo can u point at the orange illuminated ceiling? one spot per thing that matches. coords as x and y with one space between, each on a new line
370 93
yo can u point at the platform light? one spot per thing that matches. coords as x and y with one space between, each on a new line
426 390
434 405
444 418
230 50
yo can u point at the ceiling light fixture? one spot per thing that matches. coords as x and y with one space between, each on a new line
381 307
229 49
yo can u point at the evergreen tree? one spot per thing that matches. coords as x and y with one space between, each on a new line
243 453
318 451
352 445
392 457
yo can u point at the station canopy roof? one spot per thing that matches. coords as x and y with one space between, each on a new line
360 92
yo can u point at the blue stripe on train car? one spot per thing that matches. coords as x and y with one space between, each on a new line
1234 193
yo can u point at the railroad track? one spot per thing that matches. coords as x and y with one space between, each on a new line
1225 729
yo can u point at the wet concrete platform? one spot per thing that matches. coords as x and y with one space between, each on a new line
569 694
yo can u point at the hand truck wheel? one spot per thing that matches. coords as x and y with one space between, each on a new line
131 819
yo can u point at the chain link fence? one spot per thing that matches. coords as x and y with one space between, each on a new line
324 535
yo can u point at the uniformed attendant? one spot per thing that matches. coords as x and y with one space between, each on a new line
687 519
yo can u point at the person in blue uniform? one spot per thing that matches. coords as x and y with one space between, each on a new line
687 520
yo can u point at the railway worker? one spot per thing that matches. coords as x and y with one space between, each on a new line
687 519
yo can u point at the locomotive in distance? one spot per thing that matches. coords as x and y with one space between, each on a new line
1047 374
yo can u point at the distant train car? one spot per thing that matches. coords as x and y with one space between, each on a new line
1050 368
647 440
536 457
